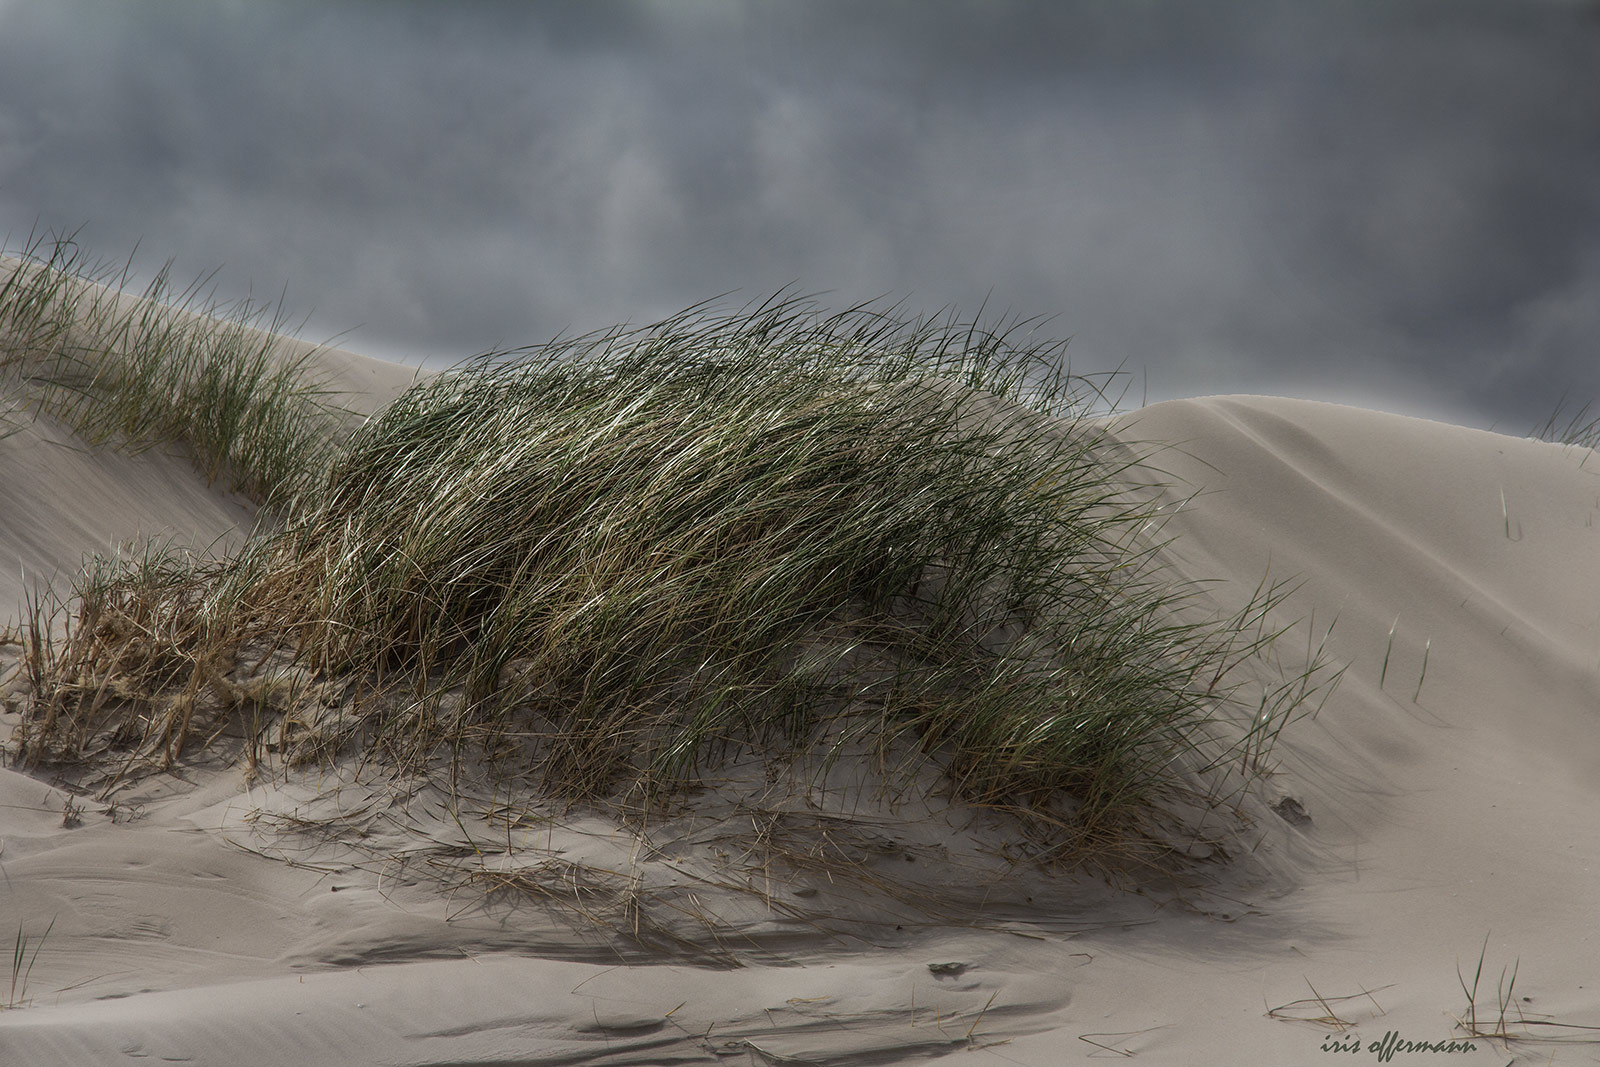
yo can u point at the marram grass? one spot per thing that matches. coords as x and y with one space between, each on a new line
170 366
617 559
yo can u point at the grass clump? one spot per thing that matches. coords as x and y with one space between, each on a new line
618 558
170 366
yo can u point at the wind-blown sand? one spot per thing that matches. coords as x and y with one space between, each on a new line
191 925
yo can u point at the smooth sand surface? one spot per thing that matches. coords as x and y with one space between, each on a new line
194 924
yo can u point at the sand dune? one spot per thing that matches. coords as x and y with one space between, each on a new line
1449 810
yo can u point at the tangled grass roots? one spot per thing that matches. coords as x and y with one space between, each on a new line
616 557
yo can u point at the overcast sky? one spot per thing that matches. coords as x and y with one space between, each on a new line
1389 203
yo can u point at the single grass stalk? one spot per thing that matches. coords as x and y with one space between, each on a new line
1127 1053
1427 647
1387 649
973 1028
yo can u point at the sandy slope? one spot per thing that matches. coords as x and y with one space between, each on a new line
60 501
1439 819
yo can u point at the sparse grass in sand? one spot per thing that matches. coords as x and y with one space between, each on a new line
1582 428
172 366
1511 1020
616 559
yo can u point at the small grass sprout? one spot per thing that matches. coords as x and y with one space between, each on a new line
22 961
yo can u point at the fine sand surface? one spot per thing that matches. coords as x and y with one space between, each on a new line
1431 823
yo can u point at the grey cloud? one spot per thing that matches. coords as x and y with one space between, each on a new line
1377 199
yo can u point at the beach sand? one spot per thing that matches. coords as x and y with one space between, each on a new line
1445 815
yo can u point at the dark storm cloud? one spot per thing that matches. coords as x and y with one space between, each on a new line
1390 203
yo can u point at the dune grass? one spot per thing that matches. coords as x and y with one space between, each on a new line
170 366
618 559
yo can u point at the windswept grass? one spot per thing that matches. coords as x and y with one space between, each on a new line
169 366
616 559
